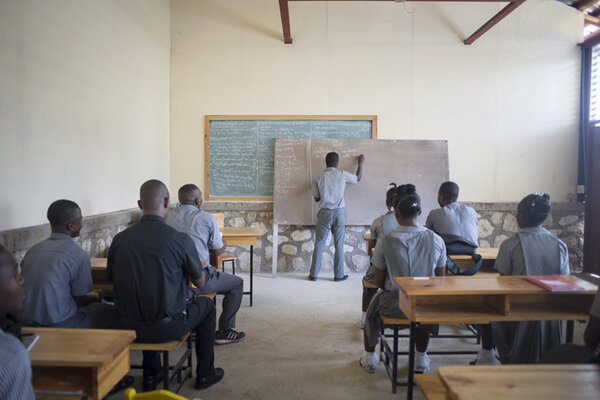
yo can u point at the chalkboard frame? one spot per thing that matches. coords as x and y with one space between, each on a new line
209 118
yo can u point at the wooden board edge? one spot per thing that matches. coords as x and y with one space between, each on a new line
374 127
245 198
372 118
206 157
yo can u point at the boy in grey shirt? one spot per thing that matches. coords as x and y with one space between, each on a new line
453 221
202 228
58 277
328 191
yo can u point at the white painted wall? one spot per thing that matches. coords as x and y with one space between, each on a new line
84 104
508 105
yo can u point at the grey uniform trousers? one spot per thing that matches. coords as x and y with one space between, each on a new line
334 221
229 285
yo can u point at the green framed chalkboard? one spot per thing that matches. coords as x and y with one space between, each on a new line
239 149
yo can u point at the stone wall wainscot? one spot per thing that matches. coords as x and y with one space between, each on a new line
497 222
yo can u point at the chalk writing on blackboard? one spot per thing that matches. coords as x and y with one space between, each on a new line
241 151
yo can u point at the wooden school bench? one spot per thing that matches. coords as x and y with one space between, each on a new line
179 370
99 357
454 299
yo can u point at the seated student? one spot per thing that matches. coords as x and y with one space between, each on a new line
381 226
58 277
572 353
15 367
456 223
591 336
532 251
202 229
149 264
410 250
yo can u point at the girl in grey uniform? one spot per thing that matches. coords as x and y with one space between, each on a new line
532 251
410 250
382 225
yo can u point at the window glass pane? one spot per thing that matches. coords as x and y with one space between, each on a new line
595 85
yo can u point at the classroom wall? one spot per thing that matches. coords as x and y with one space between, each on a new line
508 104
84 104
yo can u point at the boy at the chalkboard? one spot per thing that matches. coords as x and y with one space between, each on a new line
532 251
410 250
381 226
328 191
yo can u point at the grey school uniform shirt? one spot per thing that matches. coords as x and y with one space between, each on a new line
15 369
409 251
455 221
200 226
55 270
533 251
330 186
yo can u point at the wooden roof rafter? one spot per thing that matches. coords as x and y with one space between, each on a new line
509 8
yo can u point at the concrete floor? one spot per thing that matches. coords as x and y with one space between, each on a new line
302 343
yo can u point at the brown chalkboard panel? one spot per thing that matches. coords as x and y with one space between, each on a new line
299 162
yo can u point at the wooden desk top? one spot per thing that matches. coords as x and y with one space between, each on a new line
228 231
98 263
565 381
486 253
62 347
464 285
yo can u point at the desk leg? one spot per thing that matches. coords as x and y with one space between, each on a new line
411 361
251 292
395 361
251 273
570 327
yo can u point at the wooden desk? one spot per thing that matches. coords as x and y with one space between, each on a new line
540 381
99 279
243 237
104 353
457 299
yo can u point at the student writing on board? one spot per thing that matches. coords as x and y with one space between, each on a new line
328 191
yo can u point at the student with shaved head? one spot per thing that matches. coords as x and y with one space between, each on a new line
58 277
149 264
202 229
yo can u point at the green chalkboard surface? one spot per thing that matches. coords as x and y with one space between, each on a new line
239 150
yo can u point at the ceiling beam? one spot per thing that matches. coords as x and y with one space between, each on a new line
287 34
285 21
493 21
591 20
585 4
